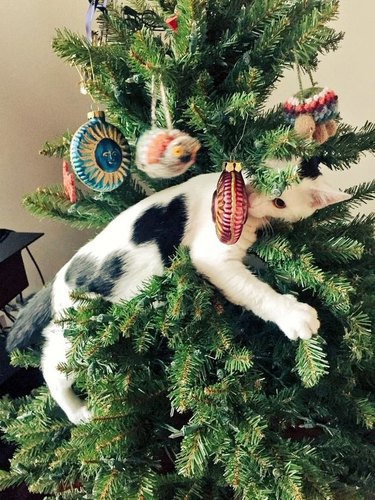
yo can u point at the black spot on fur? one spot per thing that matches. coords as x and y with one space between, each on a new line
109 273
310 167
163 225
81 271
84 273
32 319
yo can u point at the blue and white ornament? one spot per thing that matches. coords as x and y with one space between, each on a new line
99 154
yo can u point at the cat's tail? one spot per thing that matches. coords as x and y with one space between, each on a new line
31 321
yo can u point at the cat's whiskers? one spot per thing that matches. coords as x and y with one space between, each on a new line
256 222
266 225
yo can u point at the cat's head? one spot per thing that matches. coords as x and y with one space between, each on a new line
297 201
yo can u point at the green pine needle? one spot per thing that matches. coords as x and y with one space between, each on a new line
311 361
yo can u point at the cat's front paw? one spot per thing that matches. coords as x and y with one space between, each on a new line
299 320
81 415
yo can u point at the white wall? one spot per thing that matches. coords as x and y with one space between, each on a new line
40 99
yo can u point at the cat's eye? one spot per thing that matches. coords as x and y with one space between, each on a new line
279 203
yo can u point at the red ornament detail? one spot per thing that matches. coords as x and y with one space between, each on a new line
230 204
172 22
69 181
310 107
159 145
297 106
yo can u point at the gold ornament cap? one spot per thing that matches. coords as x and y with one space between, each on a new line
232 166
96 114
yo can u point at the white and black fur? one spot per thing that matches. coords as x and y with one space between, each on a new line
141 241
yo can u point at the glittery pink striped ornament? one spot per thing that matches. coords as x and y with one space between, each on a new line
230 204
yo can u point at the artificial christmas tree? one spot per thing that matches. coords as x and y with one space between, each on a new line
195 397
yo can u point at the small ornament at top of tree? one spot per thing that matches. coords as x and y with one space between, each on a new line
165 152
230 204
172 22
99 153
313 113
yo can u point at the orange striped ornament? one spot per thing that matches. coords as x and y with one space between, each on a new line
230 203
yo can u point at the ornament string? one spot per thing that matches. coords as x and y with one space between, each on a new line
87 72
153 102
84 75
313 84
231 156
299 76
164 102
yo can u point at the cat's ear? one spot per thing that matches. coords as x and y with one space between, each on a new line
325 195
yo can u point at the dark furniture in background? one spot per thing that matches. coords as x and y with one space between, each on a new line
15 382
13 280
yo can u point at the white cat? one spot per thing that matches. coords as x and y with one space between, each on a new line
141 241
